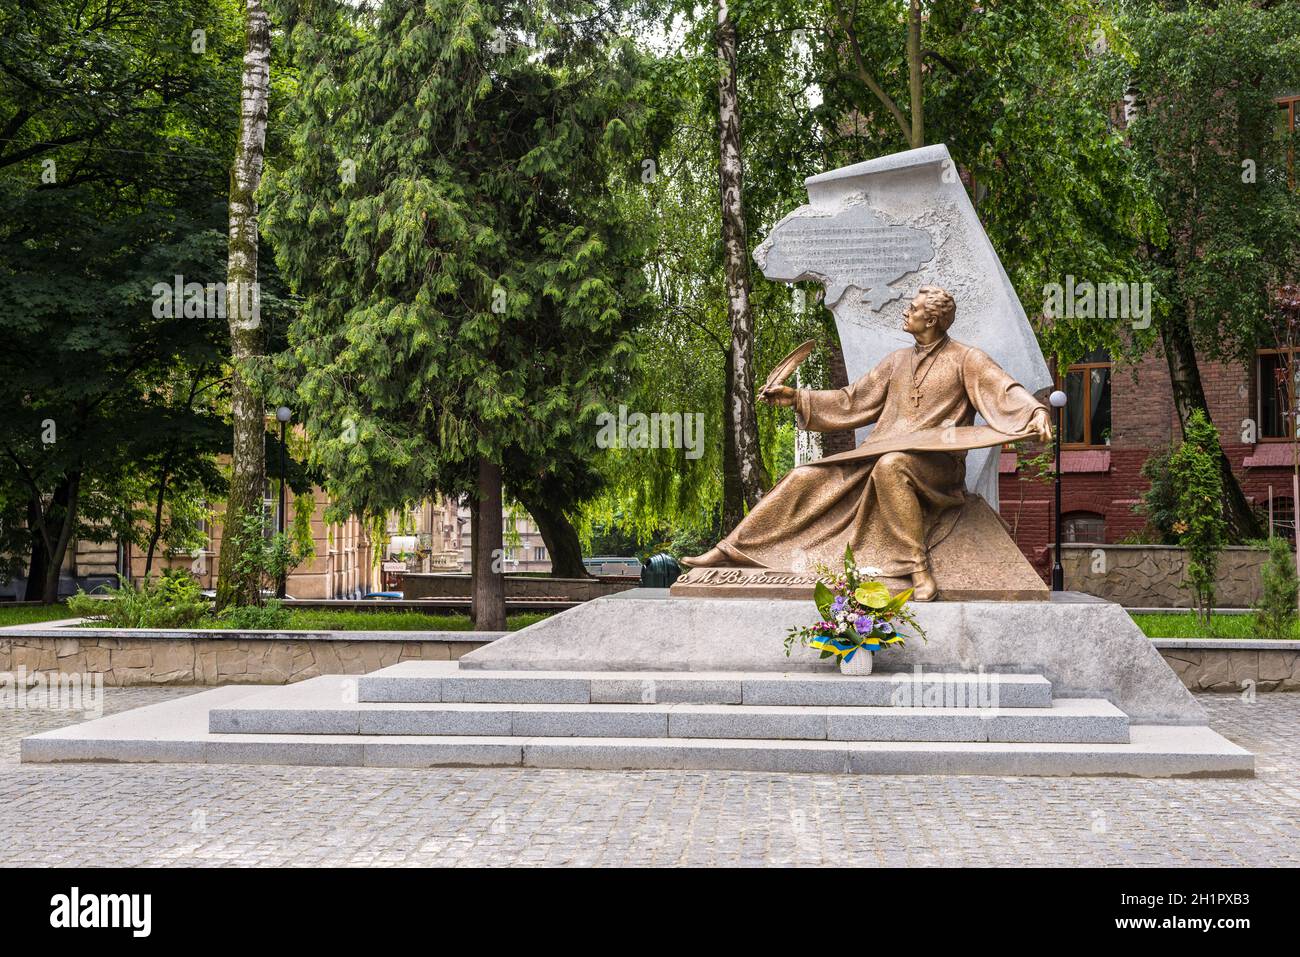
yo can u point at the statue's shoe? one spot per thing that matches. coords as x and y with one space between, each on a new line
713 556
924 587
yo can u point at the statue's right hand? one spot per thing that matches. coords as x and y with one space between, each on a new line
778 395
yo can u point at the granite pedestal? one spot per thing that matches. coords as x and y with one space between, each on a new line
645 680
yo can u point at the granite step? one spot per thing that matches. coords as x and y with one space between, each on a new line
443 682
177 731
322 706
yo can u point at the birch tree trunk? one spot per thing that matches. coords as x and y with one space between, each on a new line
914 73
247 408
742 418
733 498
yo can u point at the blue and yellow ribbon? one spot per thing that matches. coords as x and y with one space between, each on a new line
845 649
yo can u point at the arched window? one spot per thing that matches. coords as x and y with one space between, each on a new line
1284 517
1083 527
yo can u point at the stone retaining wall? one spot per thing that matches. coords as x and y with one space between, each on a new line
1151 576
193 658
244 658
1233 664
442 585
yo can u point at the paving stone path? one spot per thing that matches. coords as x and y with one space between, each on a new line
189 815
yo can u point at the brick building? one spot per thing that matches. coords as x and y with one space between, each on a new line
1117 416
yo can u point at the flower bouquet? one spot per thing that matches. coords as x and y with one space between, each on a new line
858 614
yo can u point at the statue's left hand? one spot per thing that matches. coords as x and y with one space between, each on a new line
1041 424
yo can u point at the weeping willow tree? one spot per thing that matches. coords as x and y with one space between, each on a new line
676 497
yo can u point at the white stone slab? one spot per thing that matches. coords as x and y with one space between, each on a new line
176 731
1086 649
422 681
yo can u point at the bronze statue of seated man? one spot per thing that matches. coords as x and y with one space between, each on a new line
887 496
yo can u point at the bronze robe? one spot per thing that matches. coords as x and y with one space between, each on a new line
900 492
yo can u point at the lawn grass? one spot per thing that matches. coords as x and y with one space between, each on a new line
1184 625
326 619
31 614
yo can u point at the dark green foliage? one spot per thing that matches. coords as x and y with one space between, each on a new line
1275 614
113 143
1206 135
471 294
1160 501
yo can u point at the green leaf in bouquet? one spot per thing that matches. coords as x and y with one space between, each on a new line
899 600
823 597
872 594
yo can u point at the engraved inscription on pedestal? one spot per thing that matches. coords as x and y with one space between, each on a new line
853 247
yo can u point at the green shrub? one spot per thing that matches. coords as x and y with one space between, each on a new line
1198 490
1275 614
173 600
272 616
1160 501
268 558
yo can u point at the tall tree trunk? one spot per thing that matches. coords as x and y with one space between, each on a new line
488 586
1189 396
155 533
35 586
742 417
67 495
733 496
473 554
561 538
914 73
247 408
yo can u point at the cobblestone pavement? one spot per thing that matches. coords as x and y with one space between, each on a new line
202 816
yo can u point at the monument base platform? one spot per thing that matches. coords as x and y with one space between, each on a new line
976 561
645 680
1085 647
430 714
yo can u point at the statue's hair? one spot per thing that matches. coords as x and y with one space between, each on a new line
939 304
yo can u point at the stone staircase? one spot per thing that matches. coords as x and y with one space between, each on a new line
432 714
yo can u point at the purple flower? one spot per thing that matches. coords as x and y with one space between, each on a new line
864 624
886 628
838 604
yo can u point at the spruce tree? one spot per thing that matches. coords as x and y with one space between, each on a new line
468 289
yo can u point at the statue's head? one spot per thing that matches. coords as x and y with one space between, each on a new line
933 310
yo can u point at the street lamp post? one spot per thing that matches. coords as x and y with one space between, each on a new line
282 415
1058 400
